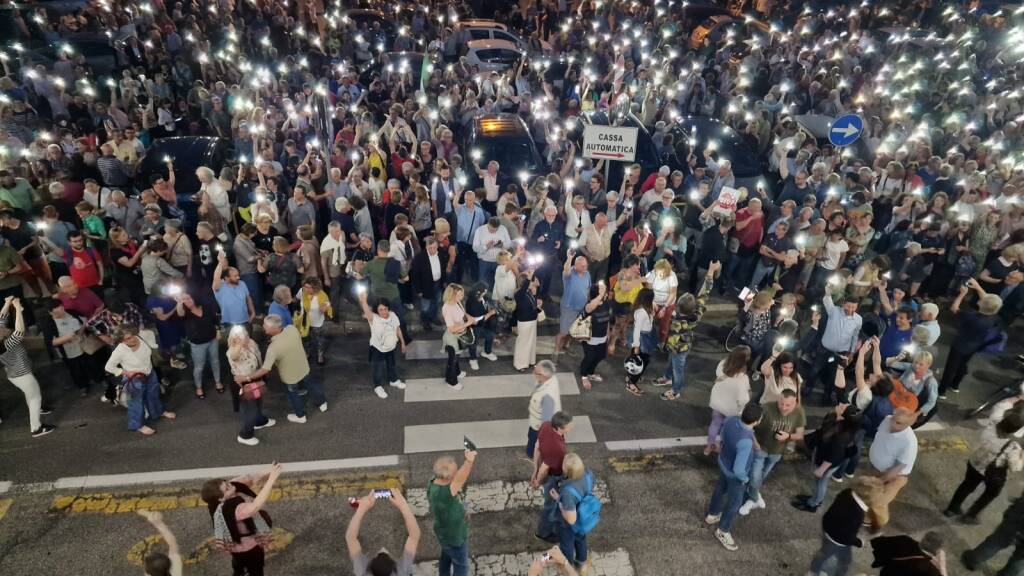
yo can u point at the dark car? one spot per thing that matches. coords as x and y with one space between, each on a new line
188 153
646 153
696 132
506 139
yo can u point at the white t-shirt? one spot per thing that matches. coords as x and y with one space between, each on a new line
382 332
832 253
315 314
891 448
662 286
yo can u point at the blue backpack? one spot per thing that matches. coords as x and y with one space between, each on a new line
588 510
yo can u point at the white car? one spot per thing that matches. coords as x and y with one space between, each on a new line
491 30
492 55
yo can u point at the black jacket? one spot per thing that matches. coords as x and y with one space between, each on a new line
421 276
843 519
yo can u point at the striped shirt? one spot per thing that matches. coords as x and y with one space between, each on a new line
14 357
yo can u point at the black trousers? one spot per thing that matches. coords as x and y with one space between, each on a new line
973 479
451 371
248 563
823 368
955 370
592 356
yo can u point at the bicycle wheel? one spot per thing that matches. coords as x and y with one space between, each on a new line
733 339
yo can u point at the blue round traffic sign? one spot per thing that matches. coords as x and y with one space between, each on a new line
845 130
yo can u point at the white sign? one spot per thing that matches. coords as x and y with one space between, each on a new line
728 198
609 143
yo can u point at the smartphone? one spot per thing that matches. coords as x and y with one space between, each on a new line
379 493
746 293
468 444
545 557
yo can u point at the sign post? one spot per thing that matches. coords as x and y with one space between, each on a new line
609 143
845 130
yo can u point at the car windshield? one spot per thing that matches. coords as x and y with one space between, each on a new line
727 143
512 154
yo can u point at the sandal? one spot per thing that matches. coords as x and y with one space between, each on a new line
220 388
200 394
595 377
632 389
586 383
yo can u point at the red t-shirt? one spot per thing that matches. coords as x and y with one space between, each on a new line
85 304
552 448
750 236
82 267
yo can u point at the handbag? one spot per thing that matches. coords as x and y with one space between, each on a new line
467 337
582 327
508 305
253 390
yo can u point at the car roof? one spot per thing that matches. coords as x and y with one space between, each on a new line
481 23
492 44
500 125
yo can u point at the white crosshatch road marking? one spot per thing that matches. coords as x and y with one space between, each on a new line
485 434
615 563
422 349
483 387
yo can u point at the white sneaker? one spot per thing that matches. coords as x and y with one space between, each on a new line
381 392
296 419
760 502
398 384
747 507
270 423
726 539
248 441
462 375
323 407
474 365
456 387
711 519
490 356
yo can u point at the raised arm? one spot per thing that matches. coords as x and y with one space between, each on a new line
462 475
250 509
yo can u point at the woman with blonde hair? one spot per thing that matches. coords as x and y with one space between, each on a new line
578 482
505 277
244 358
458 331
446 249
729 394
662 279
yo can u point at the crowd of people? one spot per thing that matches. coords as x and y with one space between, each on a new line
348 192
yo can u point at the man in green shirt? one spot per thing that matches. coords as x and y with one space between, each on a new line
16 191
783 422
446 504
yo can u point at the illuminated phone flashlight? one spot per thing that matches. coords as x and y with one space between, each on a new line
887 275
801 239
910 349
361 289
815 308
629 204
574 245
521 241
242 159
694 195
461 180
261 198
172 289
834 279
42 225
524 176
354 155
476 154
220 248
578 163
167 159
783 341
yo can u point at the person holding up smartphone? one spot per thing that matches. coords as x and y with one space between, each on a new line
382 563
447 505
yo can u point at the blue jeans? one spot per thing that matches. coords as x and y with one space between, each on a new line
549 514
429 308
254 282
573 545
531 441
763 464
487 270
252 416
761 271
143 401
821 486
202 354
454 560
829 550
676 370
316 394
726 500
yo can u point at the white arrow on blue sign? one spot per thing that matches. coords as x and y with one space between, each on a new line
845 130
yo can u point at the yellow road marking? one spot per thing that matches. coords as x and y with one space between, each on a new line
138 552
5 505
686 458
180 498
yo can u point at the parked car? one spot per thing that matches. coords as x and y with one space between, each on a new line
697 132
506 139
492 55
188 153
491 30
646 153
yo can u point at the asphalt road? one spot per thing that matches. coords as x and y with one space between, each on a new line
652 524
